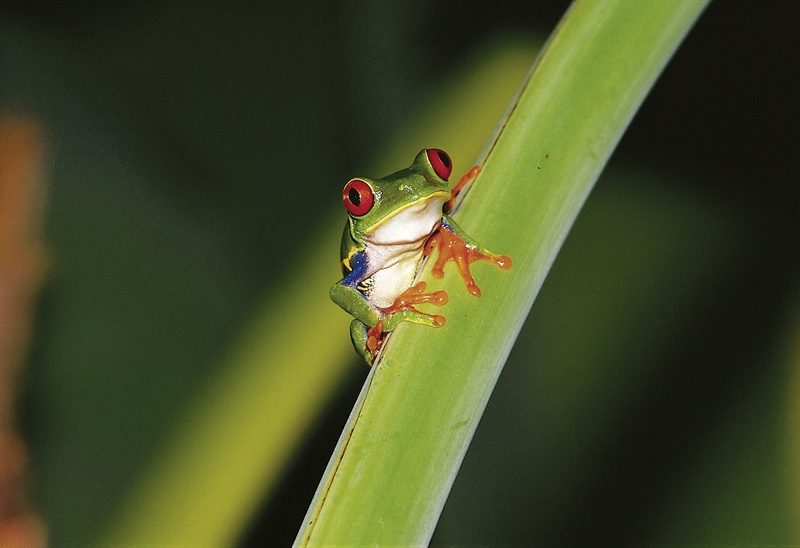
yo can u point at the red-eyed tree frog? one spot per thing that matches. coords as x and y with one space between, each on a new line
392 224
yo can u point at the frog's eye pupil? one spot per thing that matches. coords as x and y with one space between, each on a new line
358 197
440 162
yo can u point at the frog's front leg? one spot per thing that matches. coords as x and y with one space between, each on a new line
402 310
371 323
454 245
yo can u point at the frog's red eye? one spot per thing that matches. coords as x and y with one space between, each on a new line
358 197
440 162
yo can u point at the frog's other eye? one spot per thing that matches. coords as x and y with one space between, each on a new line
358 197
440 162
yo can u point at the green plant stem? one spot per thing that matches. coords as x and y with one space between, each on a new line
403 444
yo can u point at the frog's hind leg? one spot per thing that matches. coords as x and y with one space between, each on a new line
359 336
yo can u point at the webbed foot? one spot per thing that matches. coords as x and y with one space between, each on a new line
453 248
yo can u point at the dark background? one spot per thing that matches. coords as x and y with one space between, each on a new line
649 397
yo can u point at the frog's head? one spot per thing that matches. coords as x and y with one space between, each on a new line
402 207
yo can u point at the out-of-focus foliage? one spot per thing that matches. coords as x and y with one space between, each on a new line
195 149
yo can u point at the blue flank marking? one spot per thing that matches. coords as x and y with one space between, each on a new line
359 264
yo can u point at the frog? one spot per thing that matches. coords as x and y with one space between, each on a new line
392 224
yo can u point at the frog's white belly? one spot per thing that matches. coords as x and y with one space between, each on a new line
398 268
394 250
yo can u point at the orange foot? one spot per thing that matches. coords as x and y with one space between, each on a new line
375 336
452 248
405 302
468 177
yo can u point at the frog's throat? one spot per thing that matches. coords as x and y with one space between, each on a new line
442 195
404 244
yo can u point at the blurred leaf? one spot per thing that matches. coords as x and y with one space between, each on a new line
793 410
742 488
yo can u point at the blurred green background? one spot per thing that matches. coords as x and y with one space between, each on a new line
197 151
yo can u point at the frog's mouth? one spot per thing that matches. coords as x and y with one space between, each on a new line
410 224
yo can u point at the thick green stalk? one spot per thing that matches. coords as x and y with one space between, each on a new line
403 444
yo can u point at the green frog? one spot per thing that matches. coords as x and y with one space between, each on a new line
392 224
